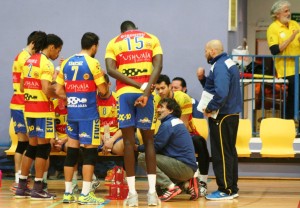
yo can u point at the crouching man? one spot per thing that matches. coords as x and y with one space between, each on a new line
175 154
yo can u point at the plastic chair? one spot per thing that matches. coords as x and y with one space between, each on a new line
277 136
201 126
244 135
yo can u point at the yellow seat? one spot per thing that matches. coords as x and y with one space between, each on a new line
201 126
243 137
14 139
277 136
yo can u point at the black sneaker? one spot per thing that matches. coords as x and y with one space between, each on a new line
37 193
22 191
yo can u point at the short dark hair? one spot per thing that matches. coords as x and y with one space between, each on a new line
163 78
53 39
39 40
127 25
172 105
183 82
88 40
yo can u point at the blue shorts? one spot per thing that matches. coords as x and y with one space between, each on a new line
130 115
86 132
41 127
19 121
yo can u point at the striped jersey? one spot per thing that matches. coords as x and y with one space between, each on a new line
108 113
17 100
133 51
37 105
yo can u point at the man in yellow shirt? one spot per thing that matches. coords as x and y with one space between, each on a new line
284 39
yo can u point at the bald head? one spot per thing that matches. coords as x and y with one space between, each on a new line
213 48
215 45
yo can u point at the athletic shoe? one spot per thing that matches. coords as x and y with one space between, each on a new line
170 193
37 193
41 195
218 195
90 198
132 200
45 186
153 199
235 195
95 184
69 198
193 189
22 190
202 188
159 191
110 176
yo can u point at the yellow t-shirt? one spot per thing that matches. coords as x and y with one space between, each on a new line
185 103
277 33
17 100
37 105
133 51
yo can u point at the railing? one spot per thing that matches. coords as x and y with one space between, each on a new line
260 76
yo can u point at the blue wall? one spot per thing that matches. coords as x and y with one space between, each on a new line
183 28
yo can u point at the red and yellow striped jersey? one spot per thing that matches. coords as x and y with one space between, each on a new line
17 100
108 113
133 51
37 105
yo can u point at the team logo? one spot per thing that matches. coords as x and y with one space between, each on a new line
39 129
86 76
145 120
36 75
20 125
84 135
76 100
148 45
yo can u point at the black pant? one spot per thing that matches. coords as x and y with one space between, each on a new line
223 132
203 155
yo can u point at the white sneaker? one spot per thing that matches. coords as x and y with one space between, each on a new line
153 199
131 200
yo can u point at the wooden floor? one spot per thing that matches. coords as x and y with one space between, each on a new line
254 193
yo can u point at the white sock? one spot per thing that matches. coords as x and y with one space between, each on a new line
85 187
131 184
17 177
45 175
75 175
203 178
68 186
152 183
38 179
23 177
171 186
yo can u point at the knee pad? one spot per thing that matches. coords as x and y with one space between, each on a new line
43 151
31 151
72 157
90 156
22 146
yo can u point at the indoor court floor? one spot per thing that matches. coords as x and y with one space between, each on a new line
254 193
